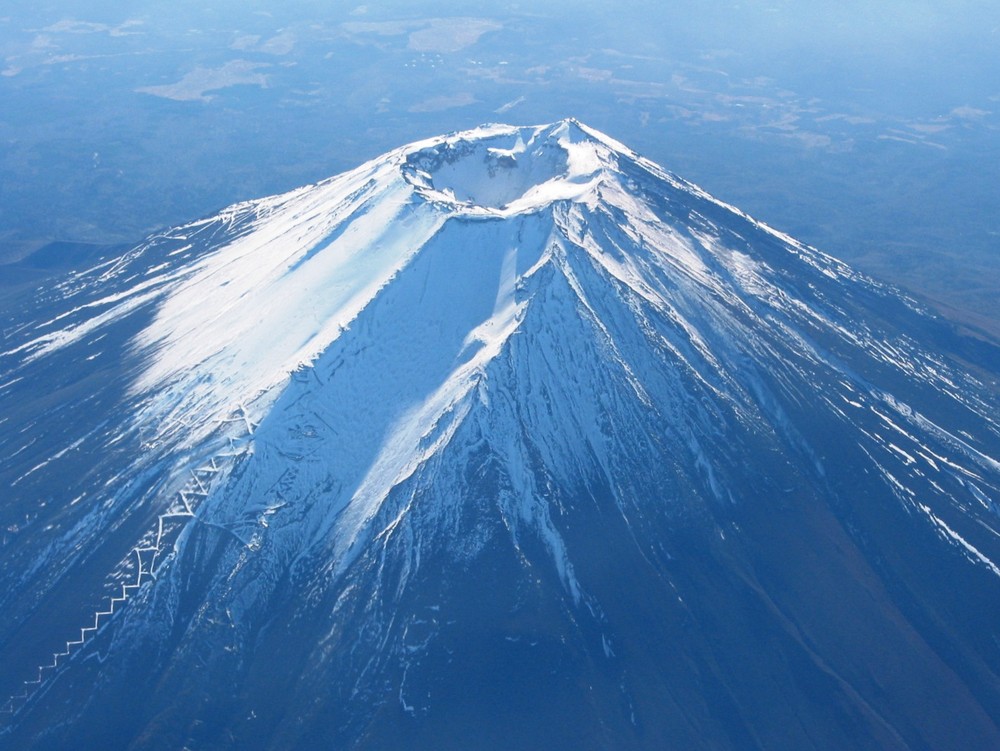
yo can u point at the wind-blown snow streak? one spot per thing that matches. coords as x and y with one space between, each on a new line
501 290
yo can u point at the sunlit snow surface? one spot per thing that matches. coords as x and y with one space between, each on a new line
542 292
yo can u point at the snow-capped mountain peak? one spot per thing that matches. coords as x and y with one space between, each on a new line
506 387
502 171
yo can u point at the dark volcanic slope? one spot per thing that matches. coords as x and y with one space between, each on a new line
507 440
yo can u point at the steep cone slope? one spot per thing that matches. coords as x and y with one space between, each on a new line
507 439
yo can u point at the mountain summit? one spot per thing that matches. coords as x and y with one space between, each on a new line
508 439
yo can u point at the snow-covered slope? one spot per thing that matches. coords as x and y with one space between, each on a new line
513 409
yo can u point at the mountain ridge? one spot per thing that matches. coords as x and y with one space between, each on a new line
523 356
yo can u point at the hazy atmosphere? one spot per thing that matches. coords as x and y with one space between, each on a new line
379 377
868 130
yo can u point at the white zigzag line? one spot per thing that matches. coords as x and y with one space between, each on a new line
184 495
